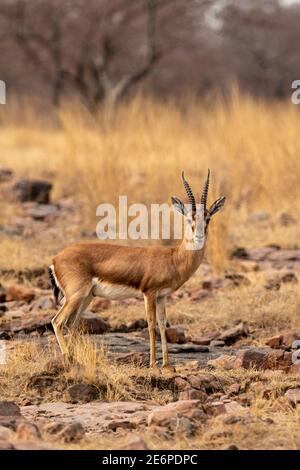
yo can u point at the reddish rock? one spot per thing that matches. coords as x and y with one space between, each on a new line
72 432
5 445
163 416
175 335
20 292
137 359
223 362
134 443
99 304
81 393
205 339
9 408
6 434
274 342
234 333
28 431
205 382
257 359
192 394
180 384
218 408
288 339
293 395
234 389
93 324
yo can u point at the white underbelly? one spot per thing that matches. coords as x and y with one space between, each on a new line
114 291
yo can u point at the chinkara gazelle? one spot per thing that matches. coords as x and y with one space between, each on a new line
83 271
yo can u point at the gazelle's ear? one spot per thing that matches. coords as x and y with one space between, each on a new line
214 208
178 205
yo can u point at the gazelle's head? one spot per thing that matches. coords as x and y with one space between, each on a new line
197 215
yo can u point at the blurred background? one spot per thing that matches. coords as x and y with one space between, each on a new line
118 97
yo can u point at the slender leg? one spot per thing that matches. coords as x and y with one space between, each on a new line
150 306
162 323
68 315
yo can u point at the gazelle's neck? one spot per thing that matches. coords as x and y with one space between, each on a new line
187 258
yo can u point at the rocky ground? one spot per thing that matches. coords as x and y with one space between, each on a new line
234 339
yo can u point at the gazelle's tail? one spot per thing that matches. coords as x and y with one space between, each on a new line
58 293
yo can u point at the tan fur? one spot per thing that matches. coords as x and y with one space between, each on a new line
113 271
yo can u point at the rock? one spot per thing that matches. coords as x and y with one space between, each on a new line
285 340
234 333
206 338
295 368
28 431
255 254
281 405
137 359
180 384
233 389
296 344
251 358
93 324
135 325
5 174
81 393
175 334
43 303
9 408
5 445
32 190
71 432
99 304
6 434
223 362
216 343
205 382
237 279
289 277
272 284
188 348
293 395
218 408
284 256
259 359
289 338
286 219
20 292
166 415
274 342
2 294
43 211
192 394
134 443
26 325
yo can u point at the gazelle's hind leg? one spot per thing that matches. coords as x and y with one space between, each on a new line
68 316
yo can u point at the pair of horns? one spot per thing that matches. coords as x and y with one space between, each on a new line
191 195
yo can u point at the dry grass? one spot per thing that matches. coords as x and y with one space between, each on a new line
91 366
252 148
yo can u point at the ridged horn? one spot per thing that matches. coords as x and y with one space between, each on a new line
205 191
189 193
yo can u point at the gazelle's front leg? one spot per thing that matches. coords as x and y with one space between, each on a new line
150 306
162 323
